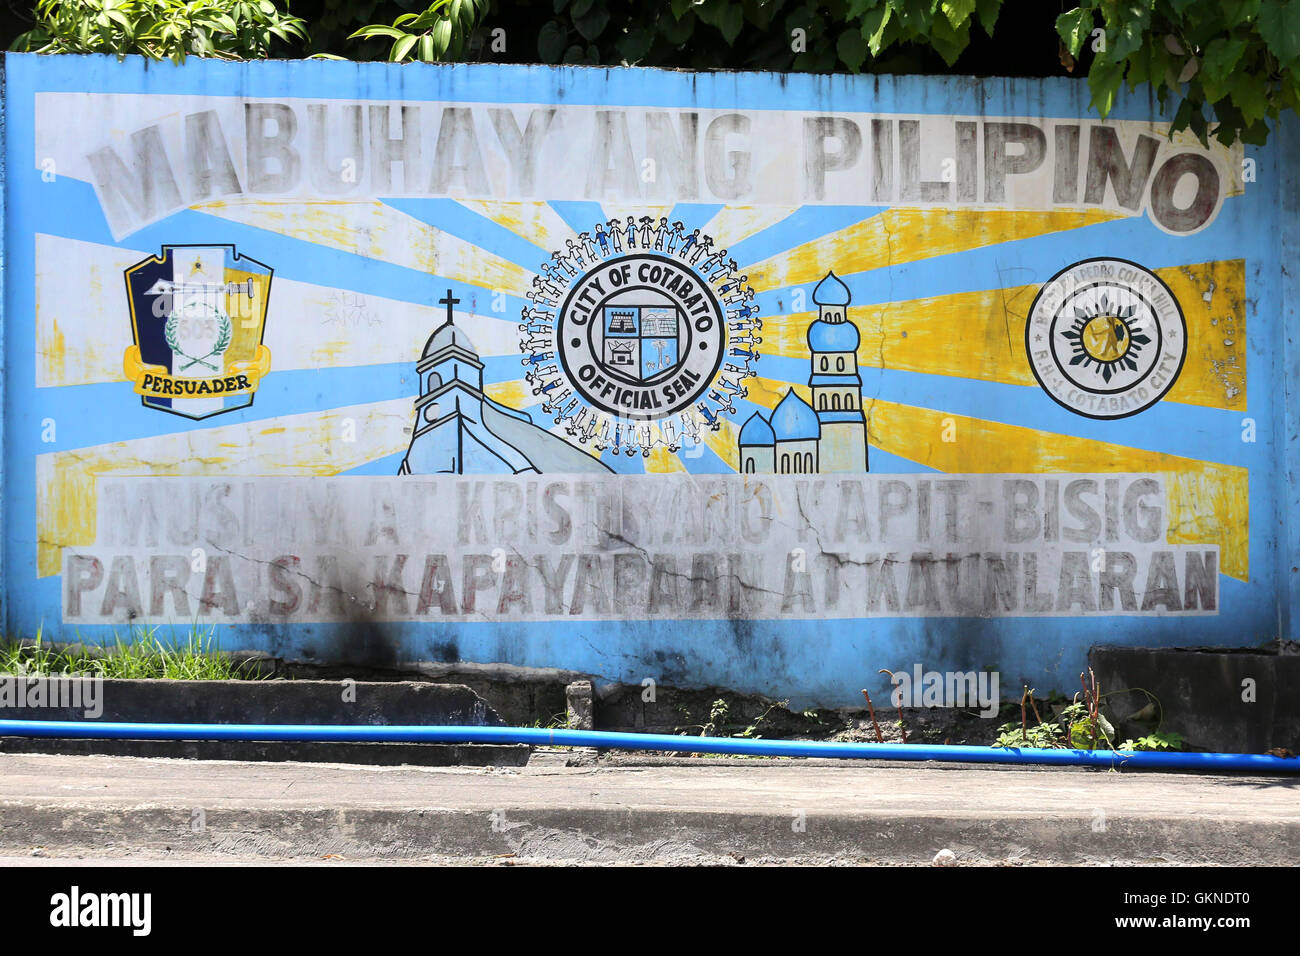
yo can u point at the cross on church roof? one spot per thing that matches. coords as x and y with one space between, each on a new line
448 300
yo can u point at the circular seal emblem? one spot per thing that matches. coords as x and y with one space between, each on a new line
1106 338
640 334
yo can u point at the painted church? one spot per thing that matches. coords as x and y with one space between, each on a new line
830 435
459 430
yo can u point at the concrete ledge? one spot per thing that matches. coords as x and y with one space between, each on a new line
608 835
121 807
278 702
1202 694
375 755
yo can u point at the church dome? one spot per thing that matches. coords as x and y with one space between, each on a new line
794 419
756 431
833 336
446 335
831 291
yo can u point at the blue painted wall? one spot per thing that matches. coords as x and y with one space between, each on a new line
359 268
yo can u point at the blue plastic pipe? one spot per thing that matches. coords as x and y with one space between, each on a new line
351 733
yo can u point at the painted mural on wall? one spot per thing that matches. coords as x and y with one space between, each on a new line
630 354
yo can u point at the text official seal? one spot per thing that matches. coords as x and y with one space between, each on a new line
1106 338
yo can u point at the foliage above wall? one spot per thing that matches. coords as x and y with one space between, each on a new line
162 29
1229 66
1239 58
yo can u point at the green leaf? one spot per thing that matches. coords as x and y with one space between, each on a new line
1133 32
1230 121
709 11
1256 134
731 21
915 14
443 37
551 41
1139 68
402 47
462 14
852 49
1158 61
948 42
1103 80
636 43
1250 95
1237 12
595 21
873 28
677 32
580 8
1217 65
957 11
377 30
1279 24
988 14
1073 27
858 7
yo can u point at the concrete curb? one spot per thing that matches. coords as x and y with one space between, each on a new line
266 702
373 755
624 835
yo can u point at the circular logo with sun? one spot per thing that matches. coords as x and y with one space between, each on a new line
1106 338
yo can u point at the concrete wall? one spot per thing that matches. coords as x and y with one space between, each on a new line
457 363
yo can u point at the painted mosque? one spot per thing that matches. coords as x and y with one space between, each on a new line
830 435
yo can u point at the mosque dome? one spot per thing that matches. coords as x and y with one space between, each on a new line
831 291
756 431
794 419
833 336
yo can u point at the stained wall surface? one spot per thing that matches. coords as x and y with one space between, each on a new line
737 380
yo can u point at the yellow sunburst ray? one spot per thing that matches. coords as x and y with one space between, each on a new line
314 443
516 393
536 222
732 224
663 462
376 231
1208 502
906 234
723 442
981 335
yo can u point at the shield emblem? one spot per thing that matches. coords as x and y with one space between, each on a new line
641 330
198 314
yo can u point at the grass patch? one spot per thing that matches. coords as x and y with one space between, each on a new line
143 655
